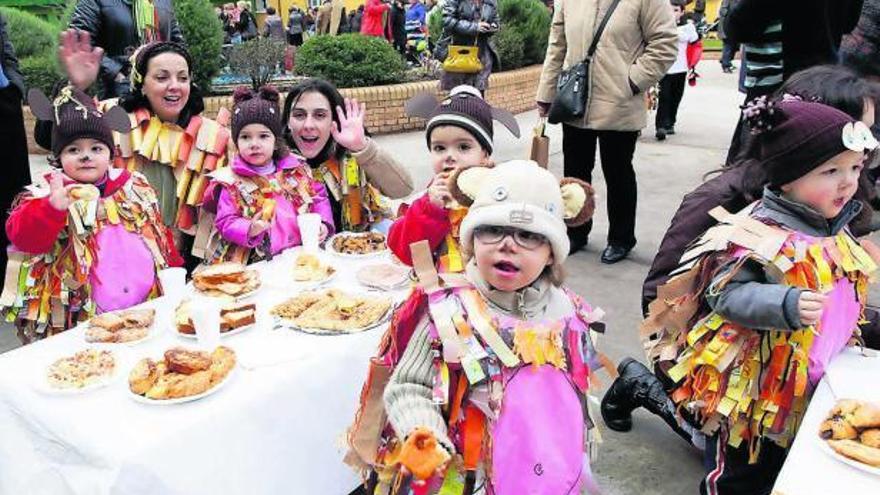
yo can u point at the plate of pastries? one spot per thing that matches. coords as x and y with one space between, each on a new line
310 269
226 280
851 433
129 326
332 312
235 317
80 372
181 375
357 245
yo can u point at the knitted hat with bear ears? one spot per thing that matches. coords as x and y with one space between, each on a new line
74 115
464 108
521 194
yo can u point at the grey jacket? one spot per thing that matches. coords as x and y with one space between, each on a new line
461 22
408 396
749 298
8 59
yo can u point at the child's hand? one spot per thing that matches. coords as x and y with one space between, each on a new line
59 194
257 227
322 234
810 307
438 191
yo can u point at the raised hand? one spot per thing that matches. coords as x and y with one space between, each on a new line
59 194
349 133
79 58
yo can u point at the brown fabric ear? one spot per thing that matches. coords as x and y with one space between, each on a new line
117 119
589 206
40 105
507 120
421 105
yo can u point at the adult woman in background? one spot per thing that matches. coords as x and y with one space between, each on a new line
328 131
469 23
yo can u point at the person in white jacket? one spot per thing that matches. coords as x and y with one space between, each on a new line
672 84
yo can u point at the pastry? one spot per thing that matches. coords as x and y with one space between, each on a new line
98 334
132 334
866 416
855 450
85 192
185 361
308 268
138 318
871 438
143 376
232 317
196 373
81 370
365 243
837 428
226 279
110 322
332 310
422 454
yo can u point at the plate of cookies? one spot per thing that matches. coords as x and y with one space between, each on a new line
310 270
851 434
332 312
129 326
235 318
181 375
357 245
80 372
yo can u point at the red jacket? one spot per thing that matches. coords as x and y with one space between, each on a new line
422 221
34 225
373 23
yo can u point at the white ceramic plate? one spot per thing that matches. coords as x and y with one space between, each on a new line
310 284
41 382
846 460
402 283
192 336
169 402
285 323
329 247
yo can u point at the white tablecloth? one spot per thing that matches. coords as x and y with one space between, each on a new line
277 427
809 469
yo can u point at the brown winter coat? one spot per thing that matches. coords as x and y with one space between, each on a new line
638 46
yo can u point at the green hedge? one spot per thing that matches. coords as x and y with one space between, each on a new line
35 42
204 38
41 72
530 19
350 60
510 46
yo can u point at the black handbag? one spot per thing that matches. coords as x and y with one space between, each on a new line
573 85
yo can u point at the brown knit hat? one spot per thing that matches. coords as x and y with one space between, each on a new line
795 136
464 108
256 108
75 116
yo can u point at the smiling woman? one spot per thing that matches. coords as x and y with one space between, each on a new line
171 143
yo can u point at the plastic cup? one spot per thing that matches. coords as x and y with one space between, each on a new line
206 320
173 281
309 230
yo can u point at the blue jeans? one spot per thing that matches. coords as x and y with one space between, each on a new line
728 53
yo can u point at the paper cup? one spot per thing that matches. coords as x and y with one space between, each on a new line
173 281
309 230
206 320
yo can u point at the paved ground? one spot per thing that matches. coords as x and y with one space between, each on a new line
650 459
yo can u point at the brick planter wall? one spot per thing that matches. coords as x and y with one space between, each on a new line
513 90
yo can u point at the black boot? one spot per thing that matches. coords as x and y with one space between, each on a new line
636 387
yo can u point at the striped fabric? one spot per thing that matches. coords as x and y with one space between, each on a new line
764 59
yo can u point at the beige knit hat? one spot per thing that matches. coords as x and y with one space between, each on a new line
523 195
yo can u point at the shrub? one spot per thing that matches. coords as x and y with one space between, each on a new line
30 35
531 20
41 72
350 60
510 46
435 25
257 59
204 38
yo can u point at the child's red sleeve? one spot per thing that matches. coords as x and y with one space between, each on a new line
422 221
34 225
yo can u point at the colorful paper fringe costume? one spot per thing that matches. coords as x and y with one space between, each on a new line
362 204
49 292
754 383
202 147
494 377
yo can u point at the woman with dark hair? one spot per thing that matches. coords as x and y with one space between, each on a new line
469 23
172 144
328 131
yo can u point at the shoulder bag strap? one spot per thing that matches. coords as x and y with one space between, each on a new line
599 31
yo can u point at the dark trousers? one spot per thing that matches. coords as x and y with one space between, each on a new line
671 91
727 53
616 150
728 471
16 171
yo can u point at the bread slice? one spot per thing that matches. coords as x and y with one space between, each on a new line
108 321
238 316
